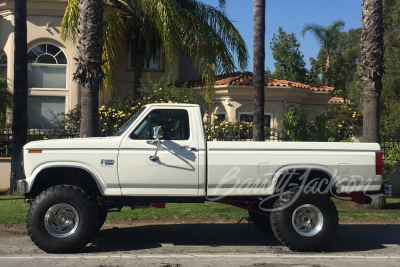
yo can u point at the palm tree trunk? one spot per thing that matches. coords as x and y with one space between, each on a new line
20 99
372 52
328 70
89 73
258 69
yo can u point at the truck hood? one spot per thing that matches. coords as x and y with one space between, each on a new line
76 143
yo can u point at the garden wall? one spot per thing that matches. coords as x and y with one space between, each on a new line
5 169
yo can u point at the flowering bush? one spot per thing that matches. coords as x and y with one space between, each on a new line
336 124
226 130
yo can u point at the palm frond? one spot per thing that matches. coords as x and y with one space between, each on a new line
115 34
69 22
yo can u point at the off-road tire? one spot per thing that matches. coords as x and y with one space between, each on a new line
102 216
76 198
261 221
282 220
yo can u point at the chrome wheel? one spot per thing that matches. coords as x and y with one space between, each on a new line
61 220
307 220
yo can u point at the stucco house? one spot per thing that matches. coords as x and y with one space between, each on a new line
51 65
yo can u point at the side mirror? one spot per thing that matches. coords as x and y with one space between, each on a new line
157 132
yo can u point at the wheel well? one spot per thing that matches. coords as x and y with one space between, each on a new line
64 175
294 177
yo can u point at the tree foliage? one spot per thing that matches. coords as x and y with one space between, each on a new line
289 63
328 38
344 69
204 33
390 97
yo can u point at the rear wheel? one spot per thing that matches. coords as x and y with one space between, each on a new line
62 218
261 221
303 221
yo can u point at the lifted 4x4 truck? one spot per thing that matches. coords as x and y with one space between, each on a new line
161 156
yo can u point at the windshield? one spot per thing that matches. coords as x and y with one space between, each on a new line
129 123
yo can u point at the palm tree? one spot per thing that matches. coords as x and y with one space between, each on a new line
20 97
372 52
258 69
203 33
328 38
89 73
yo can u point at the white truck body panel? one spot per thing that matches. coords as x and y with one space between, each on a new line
84 153
175 174
235 166
194 167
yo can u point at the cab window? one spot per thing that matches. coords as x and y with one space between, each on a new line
174 124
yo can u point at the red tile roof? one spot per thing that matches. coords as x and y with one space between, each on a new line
336 100
247 79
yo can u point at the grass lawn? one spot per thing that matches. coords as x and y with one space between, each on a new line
14 210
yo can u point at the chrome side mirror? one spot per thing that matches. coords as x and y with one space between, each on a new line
157 134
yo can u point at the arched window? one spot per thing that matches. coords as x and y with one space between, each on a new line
3 64
47 68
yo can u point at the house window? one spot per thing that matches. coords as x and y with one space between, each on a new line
3 64
45 111
248 117
47 68
152 60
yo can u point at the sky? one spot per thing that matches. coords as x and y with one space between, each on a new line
291 15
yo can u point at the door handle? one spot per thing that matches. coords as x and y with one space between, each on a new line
189 148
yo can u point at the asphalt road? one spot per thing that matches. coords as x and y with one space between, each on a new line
223 244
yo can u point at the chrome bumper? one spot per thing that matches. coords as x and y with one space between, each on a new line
22 186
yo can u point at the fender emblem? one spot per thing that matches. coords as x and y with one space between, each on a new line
107 162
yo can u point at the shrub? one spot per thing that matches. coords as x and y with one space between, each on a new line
336 124
295 123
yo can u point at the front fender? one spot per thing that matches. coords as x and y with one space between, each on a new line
103 187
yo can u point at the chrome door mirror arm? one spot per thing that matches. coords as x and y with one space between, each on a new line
157 134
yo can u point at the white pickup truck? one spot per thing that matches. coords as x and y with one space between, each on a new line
161 156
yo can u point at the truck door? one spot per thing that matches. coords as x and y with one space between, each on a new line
176 171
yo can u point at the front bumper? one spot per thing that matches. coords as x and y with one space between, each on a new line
22 186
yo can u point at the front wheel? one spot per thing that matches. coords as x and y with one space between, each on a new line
304 221
62 219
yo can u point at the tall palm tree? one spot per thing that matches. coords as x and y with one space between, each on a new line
89 73
258 69
203 33
372 52
20 97
328 38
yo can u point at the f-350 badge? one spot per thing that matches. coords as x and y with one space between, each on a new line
107 162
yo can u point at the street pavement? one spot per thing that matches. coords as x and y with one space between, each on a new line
221 244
